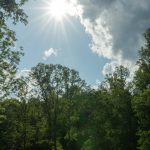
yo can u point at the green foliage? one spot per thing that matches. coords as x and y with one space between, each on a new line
112 118
142 76
9 127
12 9
9 56
144 140
59 87
59 112
87 145
142 110
141 101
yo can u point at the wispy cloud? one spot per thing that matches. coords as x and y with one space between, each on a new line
50 52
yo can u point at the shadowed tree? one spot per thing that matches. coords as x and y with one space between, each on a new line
141 102
109 122
54 83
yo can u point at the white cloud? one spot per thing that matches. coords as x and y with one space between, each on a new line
49 52
118 23
97 84
116 28
99 32
109 68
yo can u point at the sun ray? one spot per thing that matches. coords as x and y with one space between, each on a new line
58 9
54 16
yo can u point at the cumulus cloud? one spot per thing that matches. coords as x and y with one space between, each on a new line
116 28
49 52
109 68
115 25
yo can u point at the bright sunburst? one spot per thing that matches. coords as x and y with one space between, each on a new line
59 9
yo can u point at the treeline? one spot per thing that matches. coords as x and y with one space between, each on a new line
52 108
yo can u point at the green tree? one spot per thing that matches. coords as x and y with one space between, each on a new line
141 107
142 75
141 101
123 125
9 133
9 56
96 115
58 85
10 10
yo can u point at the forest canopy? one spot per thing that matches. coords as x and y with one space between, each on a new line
53 108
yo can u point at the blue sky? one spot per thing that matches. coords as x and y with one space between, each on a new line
71 42
101 35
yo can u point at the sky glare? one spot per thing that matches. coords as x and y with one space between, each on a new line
91 36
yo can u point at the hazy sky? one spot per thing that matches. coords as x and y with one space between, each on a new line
91 36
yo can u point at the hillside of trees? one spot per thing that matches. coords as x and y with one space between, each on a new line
54 109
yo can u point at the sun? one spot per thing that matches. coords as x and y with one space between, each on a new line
59 9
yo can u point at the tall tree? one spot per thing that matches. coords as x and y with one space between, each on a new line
9 56
122 131
142 75
141 102
56 82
